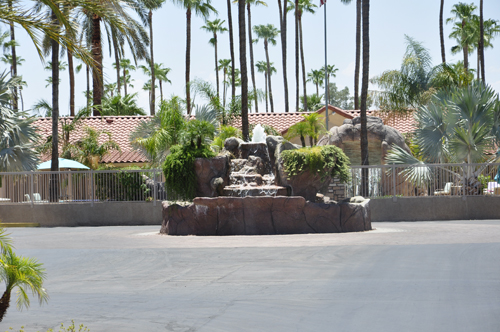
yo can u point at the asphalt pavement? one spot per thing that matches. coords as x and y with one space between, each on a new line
407 276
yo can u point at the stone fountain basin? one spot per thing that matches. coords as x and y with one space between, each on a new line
263 215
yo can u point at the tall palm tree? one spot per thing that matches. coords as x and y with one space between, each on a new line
364 95
224 65
317 78
490 28
231 49
441 33
202 8
152 5
283 28
330 72
161 74
297 55
118 105
262 68
481 39
461 31
54 167
358 54
23 273
300 7
243 70
315 126
126 67
268 33
215 27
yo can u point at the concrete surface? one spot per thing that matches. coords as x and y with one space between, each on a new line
426 276
435 208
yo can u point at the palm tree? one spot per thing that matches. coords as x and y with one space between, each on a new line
364 95
461 31
330 72
202 8
152 5
300 7
283 28
481 39
126 66
18 135
89 151
441 33
490 29
250 45
243 70
23 273
301 129
268 33
358 54
315 127
317 78
215 27
119 105
224 65
161 74
231 49
262 68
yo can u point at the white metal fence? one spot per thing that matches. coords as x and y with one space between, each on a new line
425 180
82 186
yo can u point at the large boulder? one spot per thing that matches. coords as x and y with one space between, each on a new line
380 139
212 175
264 215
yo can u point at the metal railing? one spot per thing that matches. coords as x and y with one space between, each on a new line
424 180
82 186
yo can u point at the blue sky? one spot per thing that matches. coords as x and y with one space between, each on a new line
390 20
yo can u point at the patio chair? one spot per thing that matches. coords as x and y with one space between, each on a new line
38 199
490 190
445 191
27 198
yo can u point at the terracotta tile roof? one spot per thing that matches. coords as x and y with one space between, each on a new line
120 128
337 110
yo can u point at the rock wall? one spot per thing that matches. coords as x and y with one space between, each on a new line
264 215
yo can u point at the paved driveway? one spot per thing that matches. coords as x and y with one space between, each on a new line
425 276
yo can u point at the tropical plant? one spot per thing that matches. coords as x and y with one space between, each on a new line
155 137
317 78
160 73
314 102
459 125
18 135
268 34
89 151
225 132
215 27
315 125
119 105
300 129
25 274
224 65
202 8
301 7
198 133
330 72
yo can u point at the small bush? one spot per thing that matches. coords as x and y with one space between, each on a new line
317 160
180 178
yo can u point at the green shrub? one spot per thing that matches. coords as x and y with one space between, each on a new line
180 178
317 160
121 186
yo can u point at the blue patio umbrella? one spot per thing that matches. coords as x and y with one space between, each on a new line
63 163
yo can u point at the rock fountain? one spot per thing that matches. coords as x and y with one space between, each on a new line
251 194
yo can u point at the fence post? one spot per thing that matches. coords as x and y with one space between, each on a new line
464 165
92 187
31 188
393 166
155 191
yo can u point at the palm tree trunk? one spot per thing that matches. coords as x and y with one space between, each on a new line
441 33
269 76
117 62
303 63
297 82
161 91
465 50
364 95
4 304
358 54
231 48
252 69
97 78
224 88
125 82
317 90
267 105
478 71
54 183
243 71
303 141
216 65
14 60
88 85
71 84
153 97
481 39
188 59
283 14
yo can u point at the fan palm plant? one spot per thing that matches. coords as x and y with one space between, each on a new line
118 105
268 34
301 129
459 125
315 125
